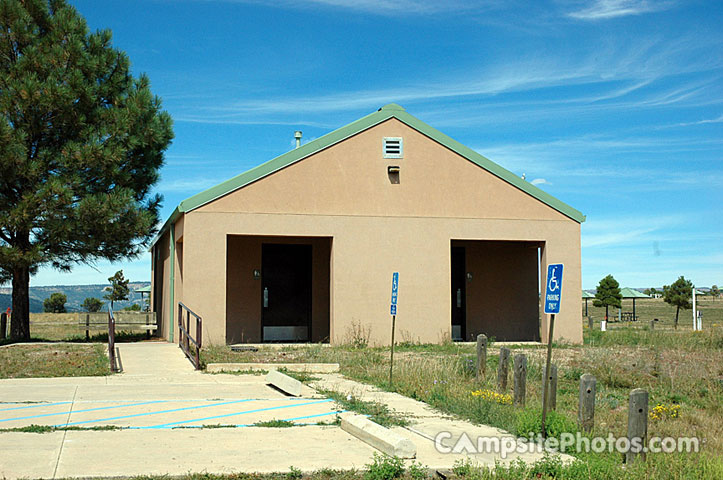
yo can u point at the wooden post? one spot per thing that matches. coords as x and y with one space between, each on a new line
652 325
589 323
148 330
551 387
586 406
503 368
481 356
391 355
637 424
87 326
3 325
520 379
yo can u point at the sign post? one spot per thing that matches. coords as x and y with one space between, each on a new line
553 296
393 312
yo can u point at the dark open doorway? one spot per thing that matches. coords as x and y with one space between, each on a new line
286 292
459 295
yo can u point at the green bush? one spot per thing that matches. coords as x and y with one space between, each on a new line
529 423
384 467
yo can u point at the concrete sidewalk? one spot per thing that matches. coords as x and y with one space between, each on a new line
160 392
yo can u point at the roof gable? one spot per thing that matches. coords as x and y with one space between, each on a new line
385 113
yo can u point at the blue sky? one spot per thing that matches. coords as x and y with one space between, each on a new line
613 106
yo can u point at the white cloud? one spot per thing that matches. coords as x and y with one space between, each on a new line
540 181
718 119
606 9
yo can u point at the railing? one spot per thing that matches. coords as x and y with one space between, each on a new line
185 340
111 342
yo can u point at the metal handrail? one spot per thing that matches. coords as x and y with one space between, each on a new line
111 341
185 340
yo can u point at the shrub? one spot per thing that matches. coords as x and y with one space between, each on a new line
384 467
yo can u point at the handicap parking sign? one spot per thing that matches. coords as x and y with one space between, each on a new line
553 292
395 289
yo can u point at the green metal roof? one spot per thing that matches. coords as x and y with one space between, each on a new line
587 294
631 293
391 110
146 289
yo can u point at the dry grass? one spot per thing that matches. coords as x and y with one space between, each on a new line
57 360
680 367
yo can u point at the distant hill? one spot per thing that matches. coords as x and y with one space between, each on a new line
76 295
6 301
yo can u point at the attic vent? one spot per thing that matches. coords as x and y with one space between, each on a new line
392 147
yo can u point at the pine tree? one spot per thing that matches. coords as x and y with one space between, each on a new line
55 303
92 304
608 294
679 294
119 290
81 143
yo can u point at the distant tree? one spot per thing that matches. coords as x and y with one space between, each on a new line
714 291
55 303
608 294
679 294
92 304
81 145
653 292
133 308
648 291
119 290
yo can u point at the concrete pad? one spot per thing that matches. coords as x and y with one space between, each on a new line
29 455
383 439
284 382
216 451
291 367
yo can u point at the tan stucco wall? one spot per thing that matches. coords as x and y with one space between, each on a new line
378 227
163 267
502 295
243 292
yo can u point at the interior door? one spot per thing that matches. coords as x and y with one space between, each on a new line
459 308
286 293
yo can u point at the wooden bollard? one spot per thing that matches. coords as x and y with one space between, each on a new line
586 406
652 325
502 368
481 356
589 322
520 379
637 425
551 387
3 325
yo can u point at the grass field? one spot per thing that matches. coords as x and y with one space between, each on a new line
63 327
53 360
651 308
678 368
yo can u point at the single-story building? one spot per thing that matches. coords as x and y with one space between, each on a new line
302 248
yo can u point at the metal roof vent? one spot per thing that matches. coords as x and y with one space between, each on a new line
393 147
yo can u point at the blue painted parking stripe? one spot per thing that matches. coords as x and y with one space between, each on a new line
157 413
78 411
251 425
34 406
236 413
301 418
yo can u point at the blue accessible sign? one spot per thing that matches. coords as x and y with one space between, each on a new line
395 289
553 292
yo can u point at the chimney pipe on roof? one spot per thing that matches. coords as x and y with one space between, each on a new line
297 136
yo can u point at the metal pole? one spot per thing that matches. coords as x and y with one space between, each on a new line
391 357
695 317
547 375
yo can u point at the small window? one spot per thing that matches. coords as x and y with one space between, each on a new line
392 147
